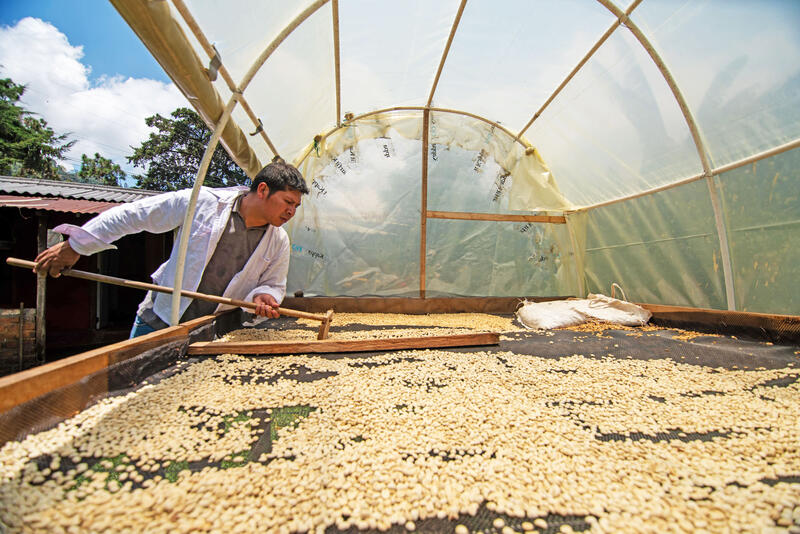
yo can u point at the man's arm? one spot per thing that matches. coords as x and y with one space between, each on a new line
159 213
156 214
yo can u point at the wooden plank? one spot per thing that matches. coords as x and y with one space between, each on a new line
29 384
201 321
413 305
329 345
663 308
783 328
464 216
13 314
41 294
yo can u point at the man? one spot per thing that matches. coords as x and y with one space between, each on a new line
236 248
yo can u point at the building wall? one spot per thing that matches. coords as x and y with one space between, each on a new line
80 314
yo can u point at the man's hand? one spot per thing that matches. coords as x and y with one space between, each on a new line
267 306
55 259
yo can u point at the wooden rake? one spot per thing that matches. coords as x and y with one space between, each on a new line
325 318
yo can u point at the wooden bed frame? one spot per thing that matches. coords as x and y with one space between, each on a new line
58 385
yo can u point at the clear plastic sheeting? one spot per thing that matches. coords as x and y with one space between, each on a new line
660 248
501 174
556 108
616 129
298 82
738 66
482 258
358 232
761 203
508 56
390 51
466 181
243 30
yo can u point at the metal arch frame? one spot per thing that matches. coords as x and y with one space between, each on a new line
237 93
490 122
698 141
622 19
187 218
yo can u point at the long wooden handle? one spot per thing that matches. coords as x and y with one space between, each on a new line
163 289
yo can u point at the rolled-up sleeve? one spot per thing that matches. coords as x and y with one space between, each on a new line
157 214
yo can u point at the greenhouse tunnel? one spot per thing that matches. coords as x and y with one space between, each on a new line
464 159
479 148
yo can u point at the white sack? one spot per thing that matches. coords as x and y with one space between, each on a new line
551 314
612 310
561 313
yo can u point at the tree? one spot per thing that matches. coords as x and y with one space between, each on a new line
172 155
100 170
28 147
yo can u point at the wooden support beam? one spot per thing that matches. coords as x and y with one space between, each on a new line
423 223
465 216
336 61
330 345
21 337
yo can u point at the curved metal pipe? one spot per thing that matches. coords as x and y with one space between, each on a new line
698 142
187 219
497 125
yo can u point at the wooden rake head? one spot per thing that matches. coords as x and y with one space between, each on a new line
326 325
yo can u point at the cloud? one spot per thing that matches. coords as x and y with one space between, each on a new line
104 116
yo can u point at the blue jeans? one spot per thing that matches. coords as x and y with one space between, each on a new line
140 328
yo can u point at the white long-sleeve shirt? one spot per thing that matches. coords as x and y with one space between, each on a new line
264 272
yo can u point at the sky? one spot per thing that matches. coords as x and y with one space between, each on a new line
86 73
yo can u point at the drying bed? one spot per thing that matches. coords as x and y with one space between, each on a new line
598 428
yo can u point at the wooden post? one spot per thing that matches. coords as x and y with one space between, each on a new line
41 290
21 332
423 237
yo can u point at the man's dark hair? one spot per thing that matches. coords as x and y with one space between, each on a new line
280 176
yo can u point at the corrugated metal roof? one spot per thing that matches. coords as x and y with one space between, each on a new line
68 205
54 188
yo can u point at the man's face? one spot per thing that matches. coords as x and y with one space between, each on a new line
279 207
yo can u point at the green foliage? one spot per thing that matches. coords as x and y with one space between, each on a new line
28 147
172 155
100 170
